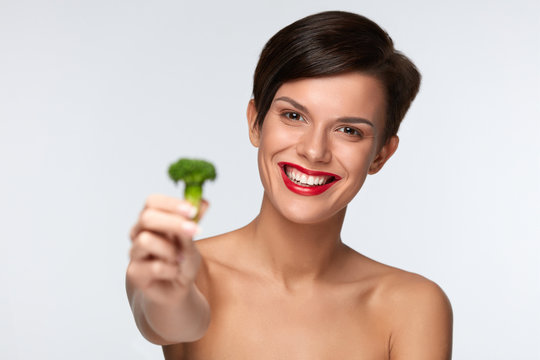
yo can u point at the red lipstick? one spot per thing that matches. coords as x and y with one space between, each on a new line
301 188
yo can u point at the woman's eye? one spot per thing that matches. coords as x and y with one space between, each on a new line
350 131
293 116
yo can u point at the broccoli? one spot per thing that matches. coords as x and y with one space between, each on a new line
194 173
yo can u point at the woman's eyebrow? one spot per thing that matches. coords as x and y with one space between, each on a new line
355 120
293 103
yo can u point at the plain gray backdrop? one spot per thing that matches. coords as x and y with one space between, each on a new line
98 97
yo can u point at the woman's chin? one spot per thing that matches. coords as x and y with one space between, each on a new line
304 209
307 215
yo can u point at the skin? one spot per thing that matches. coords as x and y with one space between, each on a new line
285 286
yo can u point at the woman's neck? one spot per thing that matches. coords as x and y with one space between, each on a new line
292 253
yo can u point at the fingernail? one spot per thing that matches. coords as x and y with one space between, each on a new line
191 227
187 209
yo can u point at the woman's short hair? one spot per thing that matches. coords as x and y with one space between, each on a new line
331 43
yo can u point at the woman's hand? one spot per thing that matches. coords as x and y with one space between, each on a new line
164 260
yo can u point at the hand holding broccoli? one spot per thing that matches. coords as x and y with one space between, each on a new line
164 261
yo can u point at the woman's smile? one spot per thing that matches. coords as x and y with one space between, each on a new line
304 181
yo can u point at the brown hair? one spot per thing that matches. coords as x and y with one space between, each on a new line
331 43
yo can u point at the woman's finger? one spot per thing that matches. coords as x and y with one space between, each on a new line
203 207
151 245
143 273
174 226
171 205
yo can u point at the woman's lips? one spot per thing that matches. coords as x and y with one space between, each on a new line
306 182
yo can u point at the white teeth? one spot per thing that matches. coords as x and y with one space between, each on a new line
303 179
295 176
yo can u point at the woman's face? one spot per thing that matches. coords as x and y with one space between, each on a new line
318 142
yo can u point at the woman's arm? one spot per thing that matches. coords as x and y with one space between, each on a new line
160 281
423 322
170 323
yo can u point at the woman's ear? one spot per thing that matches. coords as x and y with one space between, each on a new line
254 130
384 154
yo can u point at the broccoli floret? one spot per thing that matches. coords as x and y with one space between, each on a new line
194 173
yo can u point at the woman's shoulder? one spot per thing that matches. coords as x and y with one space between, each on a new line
218 248
415 308
214 264
411 289
401 288
220 255
413 297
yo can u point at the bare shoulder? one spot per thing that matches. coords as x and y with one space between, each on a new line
218 248
395 286
418 313
219 258
407 290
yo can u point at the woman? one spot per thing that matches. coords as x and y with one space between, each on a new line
329 94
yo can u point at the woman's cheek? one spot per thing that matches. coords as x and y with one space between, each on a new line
356 157
279 136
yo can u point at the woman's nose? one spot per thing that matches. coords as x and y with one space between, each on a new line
313 146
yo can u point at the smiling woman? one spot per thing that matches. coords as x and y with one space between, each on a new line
329 126
329 92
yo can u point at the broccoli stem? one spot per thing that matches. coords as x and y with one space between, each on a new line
193 194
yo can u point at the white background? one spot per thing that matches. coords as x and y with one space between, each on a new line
98 97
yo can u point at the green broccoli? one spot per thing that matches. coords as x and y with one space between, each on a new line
194 173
